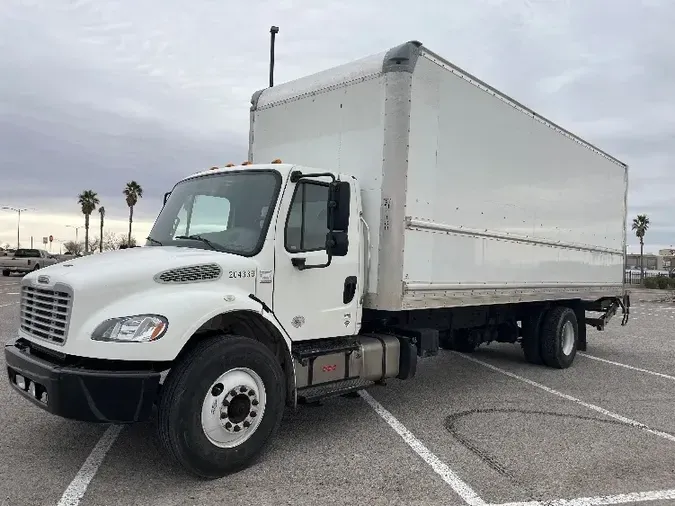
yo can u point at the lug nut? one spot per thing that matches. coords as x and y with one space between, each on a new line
223 416
226 403
247 424
228 425
237 428
233 392
254 403
251 393
242 389
252 414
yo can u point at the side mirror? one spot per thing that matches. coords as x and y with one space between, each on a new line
166 197
338 206
337 244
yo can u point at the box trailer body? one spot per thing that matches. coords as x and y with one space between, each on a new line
470 197
395 206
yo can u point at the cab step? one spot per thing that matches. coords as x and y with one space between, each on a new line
317 393
312 349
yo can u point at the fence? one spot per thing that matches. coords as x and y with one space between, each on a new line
633 277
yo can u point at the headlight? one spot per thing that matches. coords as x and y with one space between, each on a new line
135 329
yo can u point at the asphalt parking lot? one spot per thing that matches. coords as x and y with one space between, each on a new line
486 428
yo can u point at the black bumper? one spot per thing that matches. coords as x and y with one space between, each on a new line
80 393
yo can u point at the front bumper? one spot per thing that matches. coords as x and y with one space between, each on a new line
80 391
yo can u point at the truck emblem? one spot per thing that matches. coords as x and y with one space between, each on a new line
43 279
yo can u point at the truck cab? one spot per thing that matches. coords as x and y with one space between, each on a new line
288 235
98 334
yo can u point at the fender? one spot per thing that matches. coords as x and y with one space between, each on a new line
251 303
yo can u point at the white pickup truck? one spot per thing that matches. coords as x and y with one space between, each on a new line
26 260
417 208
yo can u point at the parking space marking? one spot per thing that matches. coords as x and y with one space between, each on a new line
632 368
616 416
657 495
77 487
461 488
10 304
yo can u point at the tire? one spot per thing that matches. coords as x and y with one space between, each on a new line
5 273
559 337
531 342
466 341
194 381
36 268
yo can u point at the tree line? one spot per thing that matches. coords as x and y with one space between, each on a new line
88 201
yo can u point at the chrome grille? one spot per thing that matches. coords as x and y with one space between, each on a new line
191 274
45 313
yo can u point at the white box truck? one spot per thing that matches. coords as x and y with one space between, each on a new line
416 209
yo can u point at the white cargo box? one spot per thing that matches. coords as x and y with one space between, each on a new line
471 198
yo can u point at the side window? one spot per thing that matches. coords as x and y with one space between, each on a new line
209 215
306 226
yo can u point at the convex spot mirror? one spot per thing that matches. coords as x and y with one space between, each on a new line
337 244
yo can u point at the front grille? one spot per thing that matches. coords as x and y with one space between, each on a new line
45 313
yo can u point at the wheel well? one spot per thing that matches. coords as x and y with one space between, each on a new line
254 326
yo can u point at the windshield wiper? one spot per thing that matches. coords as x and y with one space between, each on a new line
198 238
154 241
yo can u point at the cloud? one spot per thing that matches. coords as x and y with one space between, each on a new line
95 94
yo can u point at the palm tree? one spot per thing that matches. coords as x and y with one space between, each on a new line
640 225
132 192
88 200
101 211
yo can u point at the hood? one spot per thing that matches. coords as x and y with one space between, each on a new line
133 266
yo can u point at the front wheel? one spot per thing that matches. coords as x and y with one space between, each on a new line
220 405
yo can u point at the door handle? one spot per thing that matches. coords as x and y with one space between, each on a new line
349 289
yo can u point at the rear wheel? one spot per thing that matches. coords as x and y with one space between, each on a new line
531 342
221 404
559 337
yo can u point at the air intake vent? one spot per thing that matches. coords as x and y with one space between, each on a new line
191 274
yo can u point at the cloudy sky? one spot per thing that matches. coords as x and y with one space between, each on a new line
96 93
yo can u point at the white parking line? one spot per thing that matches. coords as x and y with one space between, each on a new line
10 304
77 487
632 368
657 495
627 421
459 486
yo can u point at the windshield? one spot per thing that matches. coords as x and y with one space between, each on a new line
225 211
26 253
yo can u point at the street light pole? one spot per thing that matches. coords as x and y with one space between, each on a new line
77 229
17 210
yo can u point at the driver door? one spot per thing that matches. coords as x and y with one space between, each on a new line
321 302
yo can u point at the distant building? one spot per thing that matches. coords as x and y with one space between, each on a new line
651 262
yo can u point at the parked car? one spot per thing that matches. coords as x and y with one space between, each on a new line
26 260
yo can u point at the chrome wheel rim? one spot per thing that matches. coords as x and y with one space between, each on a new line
567 338
233 407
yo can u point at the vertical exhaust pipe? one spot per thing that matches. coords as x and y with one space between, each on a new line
273 32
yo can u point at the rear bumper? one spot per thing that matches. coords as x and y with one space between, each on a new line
16 269
80 393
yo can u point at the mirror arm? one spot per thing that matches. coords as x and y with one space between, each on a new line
299 263
297 175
